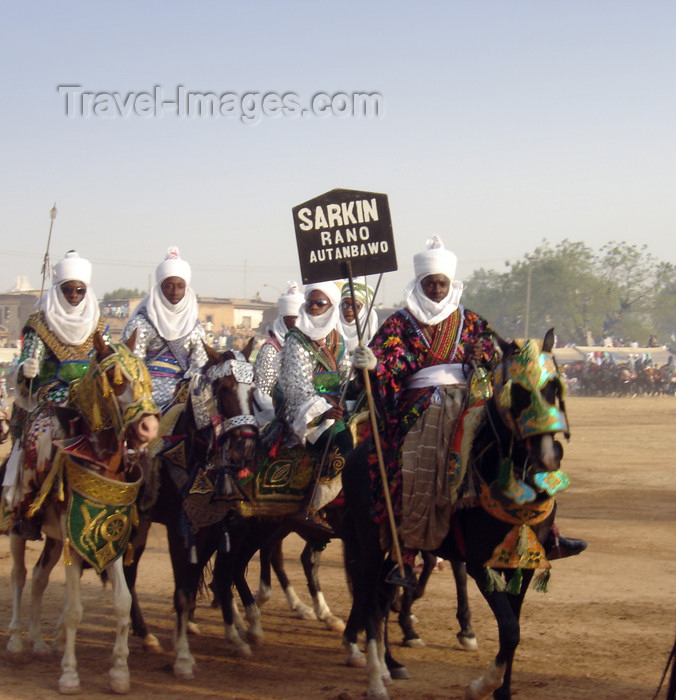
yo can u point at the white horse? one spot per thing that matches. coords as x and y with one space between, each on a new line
105 464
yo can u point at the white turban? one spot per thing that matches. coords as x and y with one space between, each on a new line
436 260
291 300
318 327
73 267
289 304
364 294
173 266
172 321
72 325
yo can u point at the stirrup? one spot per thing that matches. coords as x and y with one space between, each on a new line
408 580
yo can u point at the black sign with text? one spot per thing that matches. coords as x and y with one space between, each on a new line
341 226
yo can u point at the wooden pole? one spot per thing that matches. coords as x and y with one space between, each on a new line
376 440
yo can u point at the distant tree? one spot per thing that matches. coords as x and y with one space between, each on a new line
122 293
620 291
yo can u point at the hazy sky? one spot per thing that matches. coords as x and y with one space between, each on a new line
503 123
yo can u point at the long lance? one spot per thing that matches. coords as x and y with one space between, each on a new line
45 267
376 441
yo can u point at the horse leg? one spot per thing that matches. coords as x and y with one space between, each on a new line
406 619
270 556
506 609
17 547
466 636
139 627
119 672
69 682
41 572
184 662
223 580
310 558
303 611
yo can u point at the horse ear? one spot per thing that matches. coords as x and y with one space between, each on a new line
130 342
213 356
548 342
504 345
100 344
248 348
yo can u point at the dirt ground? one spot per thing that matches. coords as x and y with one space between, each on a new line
604 629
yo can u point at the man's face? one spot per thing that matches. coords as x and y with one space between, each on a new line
349 310
173 289
317 303
435 287
74 291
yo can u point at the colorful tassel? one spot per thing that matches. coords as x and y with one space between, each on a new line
514 585
494 580
541 581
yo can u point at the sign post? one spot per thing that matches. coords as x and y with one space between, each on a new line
342 234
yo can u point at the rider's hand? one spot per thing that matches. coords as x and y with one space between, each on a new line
476 351
30 368
363 358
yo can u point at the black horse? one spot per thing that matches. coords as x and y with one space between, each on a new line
211 434
520 421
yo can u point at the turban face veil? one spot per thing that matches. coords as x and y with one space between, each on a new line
435 260
318 327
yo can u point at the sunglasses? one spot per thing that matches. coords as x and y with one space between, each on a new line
348 304
73 290
321 303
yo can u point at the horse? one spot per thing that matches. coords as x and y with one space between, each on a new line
208 434
88 502
500 541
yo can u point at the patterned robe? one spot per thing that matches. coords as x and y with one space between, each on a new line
402 346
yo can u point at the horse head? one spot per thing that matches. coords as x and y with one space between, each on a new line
529 394
114 397
232 382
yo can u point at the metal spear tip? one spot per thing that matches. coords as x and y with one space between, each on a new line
52 213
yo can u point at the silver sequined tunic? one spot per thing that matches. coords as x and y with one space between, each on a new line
302 402
266 368
167 361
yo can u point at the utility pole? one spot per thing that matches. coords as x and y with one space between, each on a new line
528 285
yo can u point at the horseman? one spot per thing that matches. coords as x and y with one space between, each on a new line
313 368
169 335
266 368
419 361
57 346
363 296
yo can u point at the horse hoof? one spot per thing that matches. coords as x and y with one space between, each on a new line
469 643
119 682
399 674
378 695
304 612
414 642
333 623
244 652
414 620
193 628
15 648
254 637
69 684
42 651
184 672
152 644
